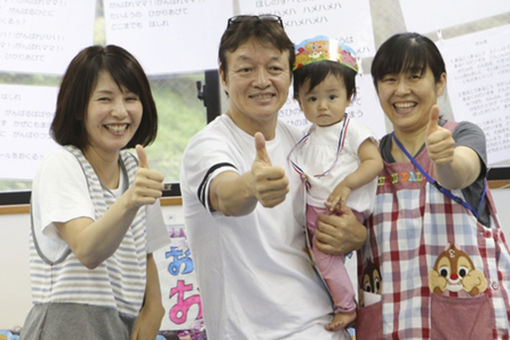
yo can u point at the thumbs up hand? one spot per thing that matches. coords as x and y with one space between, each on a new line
142 157
260 146
439 142
148 184
269 183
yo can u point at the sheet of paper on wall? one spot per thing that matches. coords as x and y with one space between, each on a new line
438 13
348 21
478 67
43 36
292 114
364 107
26 113
168 36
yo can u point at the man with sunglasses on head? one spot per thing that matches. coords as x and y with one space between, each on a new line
243 205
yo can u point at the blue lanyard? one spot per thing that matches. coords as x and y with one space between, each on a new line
437 185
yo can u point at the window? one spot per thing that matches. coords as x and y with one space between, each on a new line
181 115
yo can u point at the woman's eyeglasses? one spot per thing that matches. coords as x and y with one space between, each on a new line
263 17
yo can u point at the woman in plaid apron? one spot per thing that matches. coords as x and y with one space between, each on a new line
435 264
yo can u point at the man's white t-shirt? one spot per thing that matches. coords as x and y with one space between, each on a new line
253 272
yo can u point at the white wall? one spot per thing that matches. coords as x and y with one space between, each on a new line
502 199
15 299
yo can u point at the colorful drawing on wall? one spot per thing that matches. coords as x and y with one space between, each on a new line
181 296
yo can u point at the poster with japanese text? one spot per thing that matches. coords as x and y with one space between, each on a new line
26 113
43 36
428 16
168 36
347 21
478 69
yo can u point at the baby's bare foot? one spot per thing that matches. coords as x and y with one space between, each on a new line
341 320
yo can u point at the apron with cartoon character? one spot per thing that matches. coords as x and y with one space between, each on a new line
429 269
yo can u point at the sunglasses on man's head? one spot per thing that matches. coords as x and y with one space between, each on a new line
263 17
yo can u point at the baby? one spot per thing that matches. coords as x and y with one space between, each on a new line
336 153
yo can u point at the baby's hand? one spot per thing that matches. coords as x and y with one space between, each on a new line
338 198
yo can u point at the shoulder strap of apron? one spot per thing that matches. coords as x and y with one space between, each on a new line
437 185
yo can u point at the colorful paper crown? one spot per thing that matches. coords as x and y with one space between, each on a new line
322 48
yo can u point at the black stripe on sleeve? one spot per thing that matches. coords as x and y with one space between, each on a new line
201 192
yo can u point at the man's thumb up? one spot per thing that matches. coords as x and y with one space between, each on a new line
260 145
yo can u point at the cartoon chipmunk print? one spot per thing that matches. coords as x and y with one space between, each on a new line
371 282
454 271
